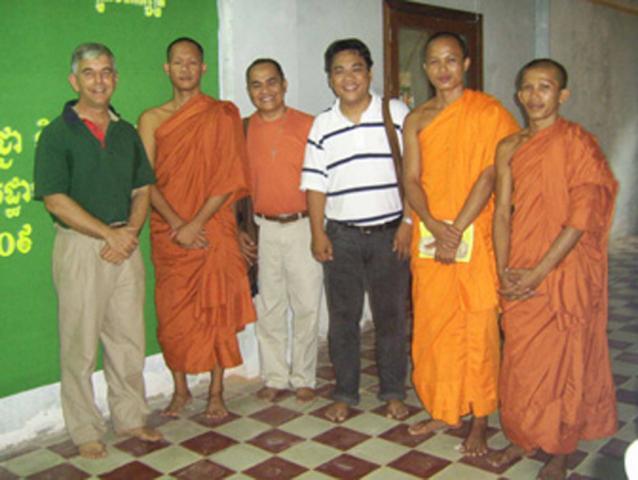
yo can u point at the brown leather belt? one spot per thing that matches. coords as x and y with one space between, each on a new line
292 217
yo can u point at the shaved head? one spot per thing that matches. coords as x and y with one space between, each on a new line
454 36
560 71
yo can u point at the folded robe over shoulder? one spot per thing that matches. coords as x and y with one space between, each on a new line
455 347
202 295
556 384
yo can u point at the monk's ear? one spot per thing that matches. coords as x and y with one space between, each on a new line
166 68
466 64
564 95
204 68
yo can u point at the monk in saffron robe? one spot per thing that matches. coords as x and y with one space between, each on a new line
556 383
202 292
450 142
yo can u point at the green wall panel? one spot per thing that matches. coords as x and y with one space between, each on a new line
38 37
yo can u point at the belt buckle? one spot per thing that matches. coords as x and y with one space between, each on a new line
366 230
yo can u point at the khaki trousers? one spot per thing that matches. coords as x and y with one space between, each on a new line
99 302
289 277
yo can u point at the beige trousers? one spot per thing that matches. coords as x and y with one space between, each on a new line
99 302
289 278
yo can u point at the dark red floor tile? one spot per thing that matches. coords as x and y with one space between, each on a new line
204 469
7 475
380 410
347 467
325 391
275 440
326 372
275 468
341 438
275 415
209 422
134 470
207 443
420 464
66 449
321 412
64 471
464 429
614 448
618 344
137 448
573 460
627 396
400 435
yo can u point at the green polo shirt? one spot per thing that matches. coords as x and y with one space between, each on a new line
70 160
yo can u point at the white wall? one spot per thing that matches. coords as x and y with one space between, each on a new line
598 46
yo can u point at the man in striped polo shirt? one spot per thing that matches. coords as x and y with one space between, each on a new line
358 232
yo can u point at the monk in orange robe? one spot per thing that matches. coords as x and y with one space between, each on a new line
450 142
202 292
556 384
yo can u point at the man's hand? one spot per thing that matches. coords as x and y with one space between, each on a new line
123 241
247 247
444 254
321 247
109 255
191 235
402 239
445 235
521 283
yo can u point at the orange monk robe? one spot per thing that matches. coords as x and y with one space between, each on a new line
455 347
556 383
202 295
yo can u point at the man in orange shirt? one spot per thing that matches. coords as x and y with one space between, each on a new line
289 277
195 144
450 142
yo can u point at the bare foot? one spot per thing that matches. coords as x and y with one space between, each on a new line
268 393
475 444
178 403
428 426
305 394
396 409
502 457
555 469
338 412
146 434
92 450
216 408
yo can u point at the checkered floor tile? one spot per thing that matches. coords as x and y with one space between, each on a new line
284 439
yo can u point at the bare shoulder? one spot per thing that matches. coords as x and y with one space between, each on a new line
508 146
153 117
422 115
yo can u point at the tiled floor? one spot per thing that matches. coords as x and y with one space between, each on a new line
283 439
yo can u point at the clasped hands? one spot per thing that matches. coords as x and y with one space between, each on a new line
121 242
519 283
447 240
189 235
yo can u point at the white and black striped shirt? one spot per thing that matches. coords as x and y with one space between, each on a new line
352 164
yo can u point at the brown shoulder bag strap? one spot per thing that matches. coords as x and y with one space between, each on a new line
393 140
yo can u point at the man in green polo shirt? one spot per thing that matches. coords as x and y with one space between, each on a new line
93 176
